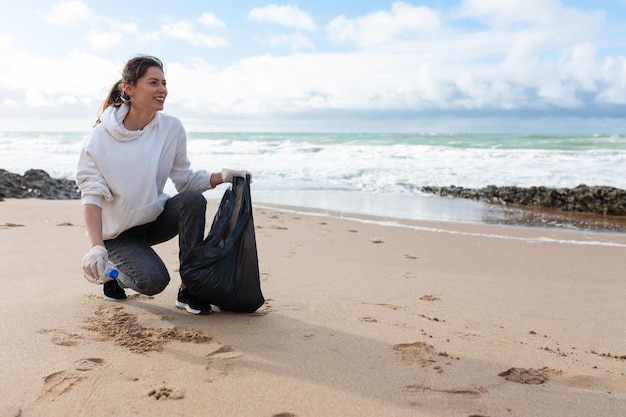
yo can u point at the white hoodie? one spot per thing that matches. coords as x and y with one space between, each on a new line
124 172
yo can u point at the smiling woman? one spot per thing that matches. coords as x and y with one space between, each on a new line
122 170
143 80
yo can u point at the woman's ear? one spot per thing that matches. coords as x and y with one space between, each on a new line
128 89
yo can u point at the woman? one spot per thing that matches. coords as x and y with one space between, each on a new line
122 170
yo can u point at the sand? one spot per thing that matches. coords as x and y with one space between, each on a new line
361 319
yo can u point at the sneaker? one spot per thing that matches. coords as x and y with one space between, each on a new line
192 304
112 291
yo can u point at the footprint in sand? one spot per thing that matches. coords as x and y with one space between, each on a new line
412 349
219 365
528 376
88 364
424 355
58 383
63 338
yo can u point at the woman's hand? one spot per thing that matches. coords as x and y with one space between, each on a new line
94 262
229 174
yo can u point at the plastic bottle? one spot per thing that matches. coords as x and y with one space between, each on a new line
110 273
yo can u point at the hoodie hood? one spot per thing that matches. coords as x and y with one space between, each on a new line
113 121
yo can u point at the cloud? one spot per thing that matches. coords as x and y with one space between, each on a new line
290 16
151 36
9 103
296 41
211 21
384 26
102 40
6 39
80 75
67 13
475 60
185 31
614 74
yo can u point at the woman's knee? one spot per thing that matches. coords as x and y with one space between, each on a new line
151 284
144 272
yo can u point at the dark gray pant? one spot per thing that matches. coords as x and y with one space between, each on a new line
141 269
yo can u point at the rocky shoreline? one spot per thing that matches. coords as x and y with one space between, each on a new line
36 183
609 201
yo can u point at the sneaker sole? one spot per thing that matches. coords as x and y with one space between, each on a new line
190 310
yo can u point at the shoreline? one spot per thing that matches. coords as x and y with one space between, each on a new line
515 206
432 208
497 231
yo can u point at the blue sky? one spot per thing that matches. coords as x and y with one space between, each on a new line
535 66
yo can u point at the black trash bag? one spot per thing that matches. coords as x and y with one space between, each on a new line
224 268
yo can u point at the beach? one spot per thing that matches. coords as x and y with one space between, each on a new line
363 317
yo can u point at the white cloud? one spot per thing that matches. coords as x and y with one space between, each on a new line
83 76
152 36
185 31
579 67
304 82
120 26
295 41
67 13
36 98
290 16
384 26
6 39
102 40
10 103
614 75
211 21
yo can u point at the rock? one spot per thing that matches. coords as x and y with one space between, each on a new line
36 183
597 199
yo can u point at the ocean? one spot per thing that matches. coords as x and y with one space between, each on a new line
375 174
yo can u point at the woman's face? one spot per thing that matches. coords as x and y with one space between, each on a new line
150 91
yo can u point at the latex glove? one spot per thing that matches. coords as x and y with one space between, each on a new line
94 262
229 174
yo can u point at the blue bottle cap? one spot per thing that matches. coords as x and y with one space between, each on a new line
113 273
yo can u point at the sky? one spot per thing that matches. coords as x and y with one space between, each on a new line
529 66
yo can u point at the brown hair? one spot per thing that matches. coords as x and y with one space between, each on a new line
134 69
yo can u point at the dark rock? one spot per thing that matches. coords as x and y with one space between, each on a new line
583 199
36 183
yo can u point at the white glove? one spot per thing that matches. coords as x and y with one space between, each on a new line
229 174
94 262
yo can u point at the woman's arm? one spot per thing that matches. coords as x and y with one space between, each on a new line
216 179
95 260
92 215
